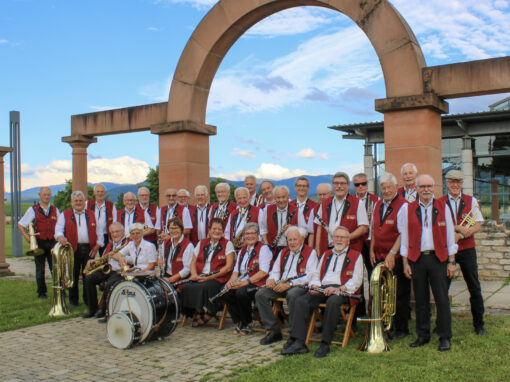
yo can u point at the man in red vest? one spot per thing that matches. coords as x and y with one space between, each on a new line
460 205
223 208
245 213
183 196
78 227
250 182
385 247
323 191
341 210
340 270
174 210
133 213
144 196
266 189
200 215
409 173
428 248
44 217
104 211
306 207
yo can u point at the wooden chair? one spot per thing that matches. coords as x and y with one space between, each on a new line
221 320
279 312
347 319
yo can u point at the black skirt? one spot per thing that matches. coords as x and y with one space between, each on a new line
195 295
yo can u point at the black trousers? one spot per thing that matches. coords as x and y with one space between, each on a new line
81 256
90 285
403 308
428 270
106 241
306 303
239 303
361 309
40 265
469 267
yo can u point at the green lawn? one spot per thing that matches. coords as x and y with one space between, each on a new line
20 307
24 207
8 242
472 358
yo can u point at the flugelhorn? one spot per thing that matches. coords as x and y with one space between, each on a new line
63 263
34 248
469 220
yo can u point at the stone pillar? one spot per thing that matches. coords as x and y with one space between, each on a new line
467 165
183 155
79 143
4 267
368 163
412 133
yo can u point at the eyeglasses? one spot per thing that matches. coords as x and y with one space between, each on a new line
168 195
360 184
340 183
423 186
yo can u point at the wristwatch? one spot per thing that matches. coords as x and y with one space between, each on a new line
393 252
452 262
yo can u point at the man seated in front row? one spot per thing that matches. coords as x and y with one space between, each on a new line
340 268
93 280
297 259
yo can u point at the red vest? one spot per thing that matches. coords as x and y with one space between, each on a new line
178 211
254 259
252 216
307 209
109 246
385 232
43 224
414 230
91 205
219 257
347 268
231 207
349 220
193 211
301 264
177 260
152 210
272 220
465 206
71 230
139 216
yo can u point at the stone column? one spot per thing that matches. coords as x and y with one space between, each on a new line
4 267
183 155
368 162
79 143
412 133
467 165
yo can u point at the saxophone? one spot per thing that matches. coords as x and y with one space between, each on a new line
101 264
280 234
238 240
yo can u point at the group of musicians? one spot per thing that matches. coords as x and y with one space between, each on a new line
265 246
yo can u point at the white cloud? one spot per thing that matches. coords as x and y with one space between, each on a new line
103 108
267 171
154 29
199 4
117 170
243 153
310 154
158 90
4 41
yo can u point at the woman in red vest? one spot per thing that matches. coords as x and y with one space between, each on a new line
178 252
250 273
211 268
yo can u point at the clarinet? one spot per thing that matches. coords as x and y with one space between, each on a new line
188 280
224 290
337 292
280 234
283 281
322 223
161 256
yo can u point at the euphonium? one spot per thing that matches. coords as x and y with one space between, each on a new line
34 249
63 262
382 306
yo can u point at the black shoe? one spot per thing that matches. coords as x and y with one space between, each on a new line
103 320
100 313
444 344
481 331
289 342
436 330
271 338
73 304
398 334
420 342
322 351
297 347
42 296
88 315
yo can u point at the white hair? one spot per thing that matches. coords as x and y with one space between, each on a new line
241 189
99 184
359 175
412 165
74 194
302 232
186 192
225 185
417 180
341 227
330 189
387 177
251 225
116 224
143 188
277 188
250 177
136 227
128 193
201 187
341 174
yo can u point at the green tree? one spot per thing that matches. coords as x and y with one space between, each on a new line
63 198
120 202
212 192
153 184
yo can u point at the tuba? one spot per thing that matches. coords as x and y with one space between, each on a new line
63 262
382 307
34 249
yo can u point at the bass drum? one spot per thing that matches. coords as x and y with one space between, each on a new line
154 301
123 330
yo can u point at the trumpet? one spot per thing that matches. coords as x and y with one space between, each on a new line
34 248
337 292
101 264
188 280
225 290
469 220
280 234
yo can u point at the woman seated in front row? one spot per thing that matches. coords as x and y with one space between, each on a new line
178 252
250 273
211 267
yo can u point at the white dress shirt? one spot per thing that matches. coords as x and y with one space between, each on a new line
427 239
186 217
302 222
291 268
158 216
334 271
187 256
81 226
337 208
207 264
475 213
281 219
141 256
240 222
129 217
265 257
202 213
410 195
114 263
100 213
29 215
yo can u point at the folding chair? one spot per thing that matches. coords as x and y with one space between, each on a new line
348 319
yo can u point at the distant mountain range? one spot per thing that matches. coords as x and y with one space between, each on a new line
115 189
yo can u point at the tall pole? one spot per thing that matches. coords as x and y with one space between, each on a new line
4 266
17 249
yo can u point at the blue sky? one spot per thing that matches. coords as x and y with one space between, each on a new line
277 90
